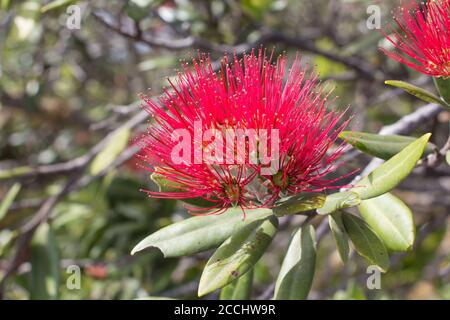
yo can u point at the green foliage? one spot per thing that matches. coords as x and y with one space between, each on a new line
391 220
366 242
200 233
392 172
299 203
443 87
297 271
56 5
420 93
339 235
117 143
139 9
45 274
380 146
8 199
237 255
14 172
256 8
239 289
339 200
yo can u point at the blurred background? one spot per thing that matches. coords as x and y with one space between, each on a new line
70 75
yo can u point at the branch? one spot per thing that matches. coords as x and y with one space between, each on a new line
436 158
360 66
164 43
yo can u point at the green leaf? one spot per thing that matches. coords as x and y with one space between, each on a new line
381 146
443 86
256 8
339 234
56 4
239 289
297 271
170 186
5 4
420 93
139 9
15 172
392 172
300 203
391 220
200 233
237 255
447 157
44 276
339 200
366 242
8 199
116 144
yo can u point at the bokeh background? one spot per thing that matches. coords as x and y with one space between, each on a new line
69 108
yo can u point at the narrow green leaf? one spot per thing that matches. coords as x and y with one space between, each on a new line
5 4
418 92
443 87
392 172
256 8
138 9
380 146
200 233
339 200
391 220
239 289
237 255
300 203
339 234
45 275
169 186
8 199
366 242
15 172
112 150
447 157
56 4
297 271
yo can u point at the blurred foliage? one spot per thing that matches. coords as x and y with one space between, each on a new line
63 90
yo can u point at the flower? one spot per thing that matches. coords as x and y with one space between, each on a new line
245 111
423 37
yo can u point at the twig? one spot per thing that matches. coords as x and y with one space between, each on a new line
171 44
436 158
360 66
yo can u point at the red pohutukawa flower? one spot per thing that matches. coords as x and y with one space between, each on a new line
242 136
423 37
